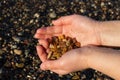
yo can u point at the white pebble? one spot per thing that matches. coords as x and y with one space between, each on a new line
36 15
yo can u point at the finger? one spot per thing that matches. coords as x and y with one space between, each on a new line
44 36
50 30
50 65
41 53
60 72
63 20
44 43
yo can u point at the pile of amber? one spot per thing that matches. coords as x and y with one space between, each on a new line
60 45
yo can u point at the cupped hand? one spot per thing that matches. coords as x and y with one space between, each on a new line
73 60
84 29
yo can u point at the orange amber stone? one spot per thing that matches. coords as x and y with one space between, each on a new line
60 45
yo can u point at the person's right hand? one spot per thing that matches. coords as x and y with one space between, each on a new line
84 29
71 61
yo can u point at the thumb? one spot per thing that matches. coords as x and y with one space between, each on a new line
49 65
63 20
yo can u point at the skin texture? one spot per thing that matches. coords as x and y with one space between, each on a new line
105 60
58 66
87 32
110 33
79 27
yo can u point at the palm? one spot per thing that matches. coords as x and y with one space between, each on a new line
83 34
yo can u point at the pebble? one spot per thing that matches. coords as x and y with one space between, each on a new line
13 46
76 77
7 64
102 4
17 39
20 33
18 52
36 15
0 73
19 65
31 21
82 10
0 38
1 51
52 15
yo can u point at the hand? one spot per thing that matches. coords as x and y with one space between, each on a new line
71 61
80 27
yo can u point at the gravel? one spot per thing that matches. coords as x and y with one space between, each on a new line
19 19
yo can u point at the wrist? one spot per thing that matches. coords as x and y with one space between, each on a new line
98 32
101 31
86 56
91 56
107 30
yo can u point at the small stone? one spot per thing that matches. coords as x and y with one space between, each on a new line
7 64
1 51
20 33
19 65
109 3
94 6
82 10
28 76
36 15
52 15
20 19
102 4
0 38
0 71
49 55
51 46
18 52
36 20
4 1
76 77
13 46
51 9
83 76
31 21
17 39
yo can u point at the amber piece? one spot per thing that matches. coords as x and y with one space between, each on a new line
60 45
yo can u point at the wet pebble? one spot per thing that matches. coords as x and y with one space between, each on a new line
76 77
19 65
18 52
52 15
31 21
0 73
1 51
37 15
7 64
0 38
17 39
